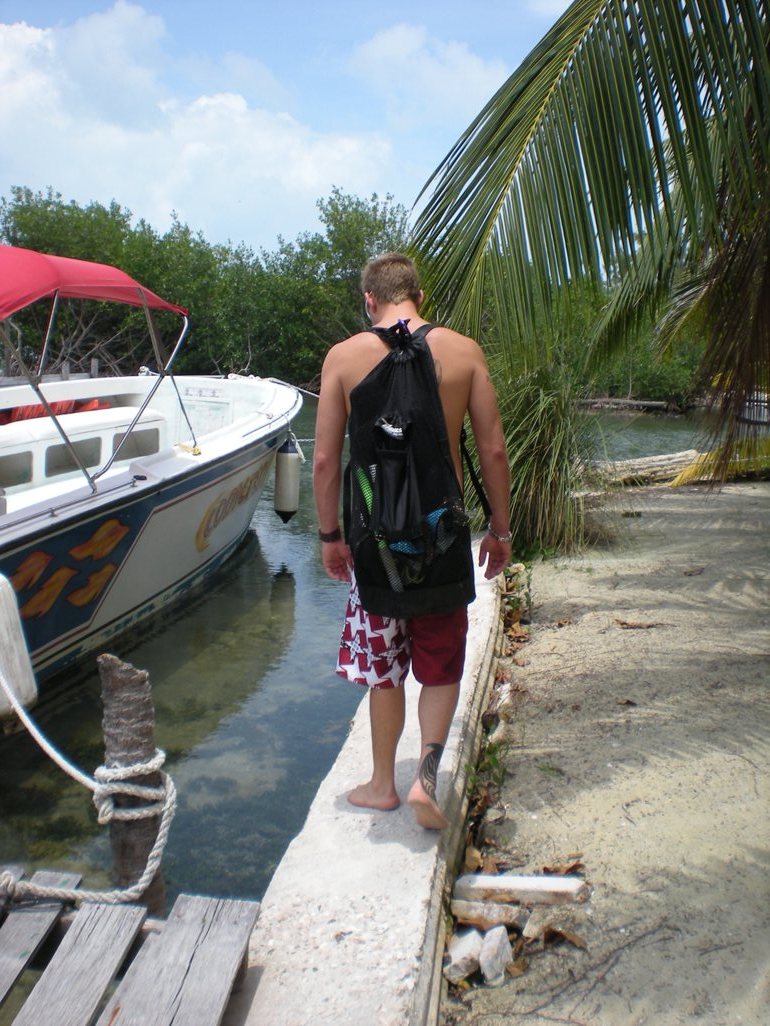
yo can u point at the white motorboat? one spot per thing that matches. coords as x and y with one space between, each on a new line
120 494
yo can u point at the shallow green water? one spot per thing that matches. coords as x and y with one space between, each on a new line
629 435
248 708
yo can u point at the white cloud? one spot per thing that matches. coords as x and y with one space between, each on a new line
110 64
239 165
26 57
421 78
86 111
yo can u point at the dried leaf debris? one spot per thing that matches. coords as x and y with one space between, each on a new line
493 908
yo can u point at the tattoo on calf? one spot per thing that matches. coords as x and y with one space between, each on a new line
428 772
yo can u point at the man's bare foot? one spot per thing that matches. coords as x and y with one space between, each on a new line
425 809
366 797
422 796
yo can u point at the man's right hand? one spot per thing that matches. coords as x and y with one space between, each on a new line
496 554
337 560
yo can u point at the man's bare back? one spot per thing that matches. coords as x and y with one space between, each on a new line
458 361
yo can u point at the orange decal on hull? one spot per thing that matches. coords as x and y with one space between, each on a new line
42 600
31 570
96 583
102 541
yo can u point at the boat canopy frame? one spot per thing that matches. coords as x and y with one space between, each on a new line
27 276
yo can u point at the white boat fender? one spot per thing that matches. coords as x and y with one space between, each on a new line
15 665
288 461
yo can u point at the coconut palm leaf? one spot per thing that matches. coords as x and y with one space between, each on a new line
747 460
631 146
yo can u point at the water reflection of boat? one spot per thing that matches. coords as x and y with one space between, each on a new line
224 643
119 495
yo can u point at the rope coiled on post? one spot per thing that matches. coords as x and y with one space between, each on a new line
106 784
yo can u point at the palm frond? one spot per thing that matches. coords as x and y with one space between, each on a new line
576 158
750 457
629 149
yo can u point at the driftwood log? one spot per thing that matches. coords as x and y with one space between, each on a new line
625 404
128 724
646 469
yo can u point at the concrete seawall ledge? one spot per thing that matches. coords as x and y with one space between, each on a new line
351 927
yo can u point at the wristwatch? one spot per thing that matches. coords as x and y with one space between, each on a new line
330 536
499 537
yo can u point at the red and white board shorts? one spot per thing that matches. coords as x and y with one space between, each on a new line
377 651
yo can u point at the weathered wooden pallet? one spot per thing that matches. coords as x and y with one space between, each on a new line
182 971
184 975
71 990
27 927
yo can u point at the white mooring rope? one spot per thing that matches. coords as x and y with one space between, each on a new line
107 782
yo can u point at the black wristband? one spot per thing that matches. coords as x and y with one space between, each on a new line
330 536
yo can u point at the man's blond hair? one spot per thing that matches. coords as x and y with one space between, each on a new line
391 278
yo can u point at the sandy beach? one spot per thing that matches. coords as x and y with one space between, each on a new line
639 748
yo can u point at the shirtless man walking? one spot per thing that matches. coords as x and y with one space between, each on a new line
435 643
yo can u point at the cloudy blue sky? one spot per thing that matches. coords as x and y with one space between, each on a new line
239 114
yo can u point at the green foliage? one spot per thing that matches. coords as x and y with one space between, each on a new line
356 230
315 281
637 366
274 315
43 221
545 436
641 371
490 771
539 374
492 763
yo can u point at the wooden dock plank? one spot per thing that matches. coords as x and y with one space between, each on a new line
27 926
71 990
183 976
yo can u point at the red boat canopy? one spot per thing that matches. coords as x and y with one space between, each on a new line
26 276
